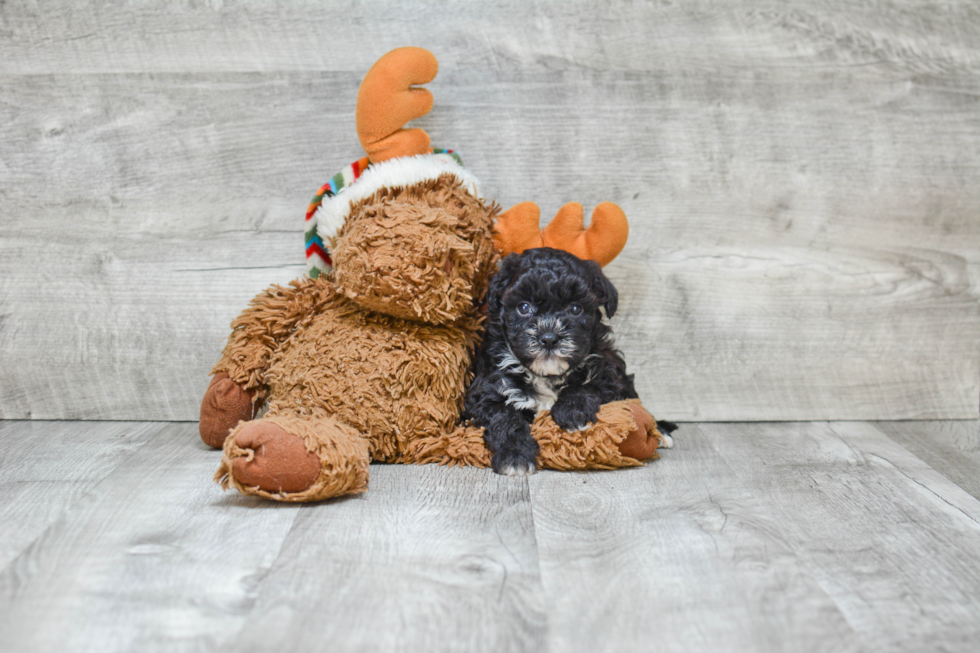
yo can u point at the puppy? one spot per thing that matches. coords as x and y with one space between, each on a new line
546 347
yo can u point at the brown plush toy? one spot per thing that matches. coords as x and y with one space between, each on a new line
369 360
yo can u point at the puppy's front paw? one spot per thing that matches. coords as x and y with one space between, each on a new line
513 463
575 414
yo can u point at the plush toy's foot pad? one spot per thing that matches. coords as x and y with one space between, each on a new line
295 458
225 404
642 442
278 461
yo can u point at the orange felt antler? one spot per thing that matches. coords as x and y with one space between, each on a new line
388 98
517 230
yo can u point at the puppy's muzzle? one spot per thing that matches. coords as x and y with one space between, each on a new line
549 347
548 337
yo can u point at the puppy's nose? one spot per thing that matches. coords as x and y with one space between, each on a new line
548 339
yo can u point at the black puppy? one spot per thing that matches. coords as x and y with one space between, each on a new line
546 347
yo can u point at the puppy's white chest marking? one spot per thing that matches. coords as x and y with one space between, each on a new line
544 391
542 394
517 398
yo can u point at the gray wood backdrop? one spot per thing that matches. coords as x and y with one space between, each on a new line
801 180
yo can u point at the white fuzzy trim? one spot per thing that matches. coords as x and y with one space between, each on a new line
403 171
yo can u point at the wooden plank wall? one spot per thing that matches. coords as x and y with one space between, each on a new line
801 180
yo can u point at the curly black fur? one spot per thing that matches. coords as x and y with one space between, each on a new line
546 346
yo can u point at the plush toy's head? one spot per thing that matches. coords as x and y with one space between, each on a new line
421 252
403 229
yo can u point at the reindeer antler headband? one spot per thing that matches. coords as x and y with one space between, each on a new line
389 98
517 230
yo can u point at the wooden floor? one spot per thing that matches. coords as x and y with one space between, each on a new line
833 536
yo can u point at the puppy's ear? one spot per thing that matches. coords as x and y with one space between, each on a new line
499 283
606 293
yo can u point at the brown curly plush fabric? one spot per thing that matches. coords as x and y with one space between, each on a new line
427 245
257 333
595 447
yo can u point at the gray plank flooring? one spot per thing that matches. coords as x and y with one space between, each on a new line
952 448
426 561
805 536
853 502
800 180
45 468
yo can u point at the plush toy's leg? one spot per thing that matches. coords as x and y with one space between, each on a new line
225 404
623 435
293 458
462 446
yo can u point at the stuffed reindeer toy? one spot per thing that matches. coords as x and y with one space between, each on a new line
368 357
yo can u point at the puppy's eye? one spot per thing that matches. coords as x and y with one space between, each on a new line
575 309
525 308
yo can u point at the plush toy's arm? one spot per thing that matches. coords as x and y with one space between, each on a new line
624 435
270 318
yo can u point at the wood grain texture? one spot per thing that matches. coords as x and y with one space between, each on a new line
429 559
951 448
889 539
676 556
800 182
168 35
130 335
46 468
154 558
